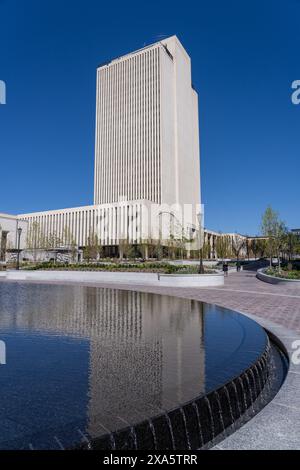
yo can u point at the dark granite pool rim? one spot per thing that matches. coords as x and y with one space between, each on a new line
198 423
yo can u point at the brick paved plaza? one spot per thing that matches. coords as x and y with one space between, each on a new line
245 293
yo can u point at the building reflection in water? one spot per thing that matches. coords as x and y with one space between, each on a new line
146 351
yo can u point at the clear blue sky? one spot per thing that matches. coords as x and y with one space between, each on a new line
245 56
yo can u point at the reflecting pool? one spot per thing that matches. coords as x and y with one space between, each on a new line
82 361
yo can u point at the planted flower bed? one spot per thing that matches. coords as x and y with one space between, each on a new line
163 268
283 273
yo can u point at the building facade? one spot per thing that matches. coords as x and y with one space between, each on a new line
9 226
147 138
147 162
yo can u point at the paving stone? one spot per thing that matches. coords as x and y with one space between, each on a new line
277 427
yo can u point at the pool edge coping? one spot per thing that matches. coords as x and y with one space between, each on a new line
253 427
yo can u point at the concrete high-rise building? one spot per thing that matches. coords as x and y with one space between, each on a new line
147 164
147 138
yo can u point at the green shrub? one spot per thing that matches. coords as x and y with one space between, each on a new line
154 267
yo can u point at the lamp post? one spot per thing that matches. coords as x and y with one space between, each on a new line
18 254
201 268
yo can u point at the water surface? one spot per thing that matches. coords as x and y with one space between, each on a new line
84 361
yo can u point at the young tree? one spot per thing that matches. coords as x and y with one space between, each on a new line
93 248
143 248
179 239
206 250
67 236
126 250
70 242
275 231
280 240
269 220
171 246
238 244
180 242
223 246
158 251
261 247
52 241
151 248
292 245
35 238
253 247
248 247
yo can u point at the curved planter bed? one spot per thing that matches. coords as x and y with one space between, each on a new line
134 278
276 280
191 280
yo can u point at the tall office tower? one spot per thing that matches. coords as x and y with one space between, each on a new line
147 138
